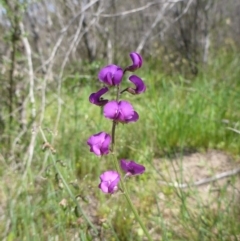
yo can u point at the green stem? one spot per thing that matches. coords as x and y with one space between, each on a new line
114 122
118 93
126 194
124 188
113 134
67 186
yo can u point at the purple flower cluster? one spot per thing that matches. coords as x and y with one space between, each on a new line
118 111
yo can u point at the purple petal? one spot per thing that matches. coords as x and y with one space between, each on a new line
108 176
96 150
131 167
111 74
140 86
102 75
99 143
118 76
124 165
96 138
133 118
137 59
113 185
137 168
137 62
95 98
110 110
105 145
104 186
109 181
126 111
109 78
122 111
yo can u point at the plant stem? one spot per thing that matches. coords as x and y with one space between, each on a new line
124 188
118 93
114 122
126 194
113 134
67 186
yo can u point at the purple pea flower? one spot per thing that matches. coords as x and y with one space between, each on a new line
109 181
121 111
111 75
99 143
96 99
137 62
131 168
140 86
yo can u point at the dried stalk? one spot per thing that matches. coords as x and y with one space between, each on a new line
29 156
203 181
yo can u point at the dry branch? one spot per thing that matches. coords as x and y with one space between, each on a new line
203 181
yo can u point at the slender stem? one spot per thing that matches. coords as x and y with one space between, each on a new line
11 83
67 186
114 122
126 194
118 92
124 188
136 213
113 134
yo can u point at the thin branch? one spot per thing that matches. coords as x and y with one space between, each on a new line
232 129
78 15
135 10
64 31
30 69
175 20
29 156
156 21
70 193
77 37
203 181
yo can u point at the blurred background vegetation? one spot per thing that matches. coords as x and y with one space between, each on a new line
50 55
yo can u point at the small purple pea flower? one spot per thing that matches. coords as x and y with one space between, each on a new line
109 181
137 62
96 99
131 168
111 74
99 143
121 111
140 86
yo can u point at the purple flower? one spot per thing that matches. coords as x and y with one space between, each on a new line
140 86
109 181
137 62
121 111
99 143
96 99
111 74
131 168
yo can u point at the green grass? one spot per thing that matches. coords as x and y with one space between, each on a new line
177 115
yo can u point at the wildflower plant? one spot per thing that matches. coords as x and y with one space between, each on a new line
119 111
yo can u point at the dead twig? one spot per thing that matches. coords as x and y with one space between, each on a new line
203 181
